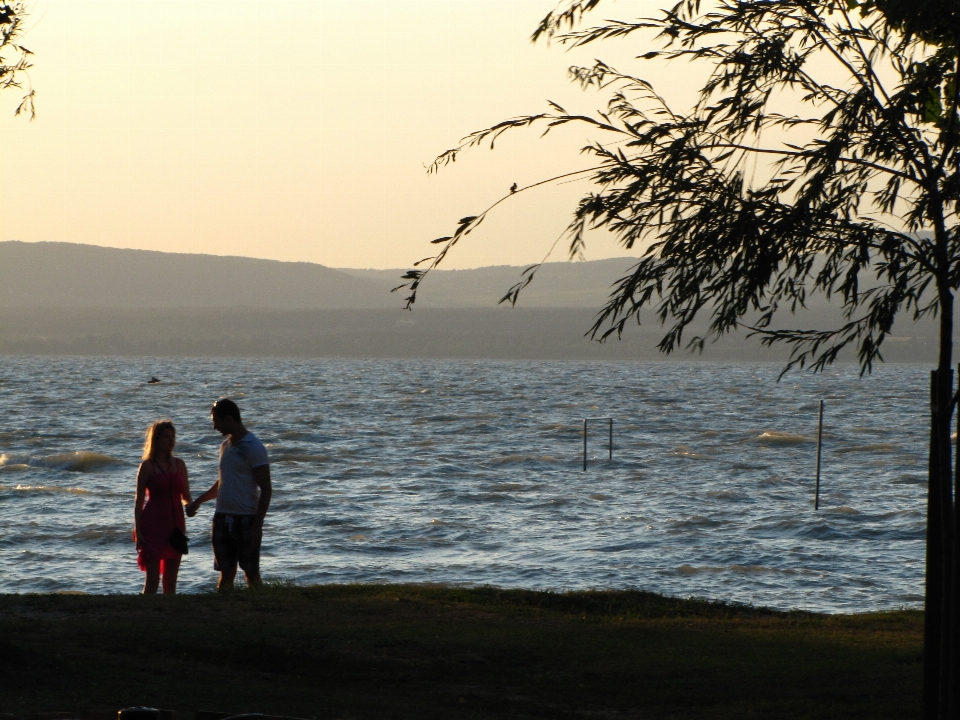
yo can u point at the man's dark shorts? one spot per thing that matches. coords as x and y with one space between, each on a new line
230 538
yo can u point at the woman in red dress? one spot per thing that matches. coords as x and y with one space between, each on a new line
162 491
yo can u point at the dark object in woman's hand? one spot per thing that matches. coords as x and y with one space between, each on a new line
179 541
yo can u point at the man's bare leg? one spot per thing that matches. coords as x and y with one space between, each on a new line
225 584
253 578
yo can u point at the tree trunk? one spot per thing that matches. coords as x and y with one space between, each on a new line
940 602
933 596
953 630
945 490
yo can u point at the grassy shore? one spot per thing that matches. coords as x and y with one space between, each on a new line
403 651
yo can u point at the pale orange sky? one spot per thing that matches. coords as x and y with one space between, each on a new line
296 130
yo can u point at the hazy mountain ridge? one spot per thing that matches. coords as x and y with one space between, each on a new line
71 275
556 284
50 274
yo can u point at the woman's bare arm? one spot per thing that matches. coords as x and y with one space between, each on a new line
143 475
186 481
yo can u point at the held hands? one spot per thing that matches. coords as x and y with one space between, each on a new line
191 508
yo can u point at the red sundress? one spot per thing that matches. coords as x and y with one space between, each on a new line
162 510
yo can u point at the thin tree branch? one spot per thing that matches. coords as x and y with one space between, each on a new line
800 154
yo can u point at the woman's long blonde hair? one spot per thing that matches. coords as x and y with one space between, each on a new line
153 432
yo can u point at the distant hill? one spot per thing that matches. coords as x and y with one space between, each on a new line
556 284
50 274
57 275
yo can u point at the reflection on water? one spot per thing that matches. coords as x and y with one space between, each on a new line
470 472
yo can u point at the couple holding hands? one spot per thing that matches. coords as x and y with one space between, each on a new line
243 490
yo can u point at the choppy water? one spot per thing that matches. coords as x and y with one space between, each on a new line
470 472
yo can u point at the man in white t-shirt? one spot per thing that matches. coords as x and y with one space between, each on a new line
243 492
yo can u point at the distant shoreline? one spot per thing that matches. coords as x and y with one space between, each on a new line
427 333
65 299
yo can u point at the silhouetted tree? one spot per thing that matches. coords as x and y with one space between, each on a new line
14 57
821 157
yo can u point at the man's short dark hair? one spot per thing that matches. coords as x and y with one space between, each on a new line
226 406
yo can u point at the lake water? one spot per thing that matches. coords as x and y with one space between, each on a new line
470 472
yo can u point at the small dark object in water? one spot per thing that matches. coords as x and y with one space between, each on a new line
153 381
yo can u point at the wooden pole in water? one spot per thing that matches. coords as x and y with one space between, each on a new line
584 444
611 438
816 499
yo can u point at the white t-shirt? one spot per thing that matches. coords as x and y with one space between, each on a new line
238 494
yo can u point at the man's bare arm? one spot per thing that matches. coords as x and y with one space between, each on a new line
261 476
208 495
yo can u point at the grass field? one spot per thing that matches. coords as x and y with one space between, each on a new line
402 651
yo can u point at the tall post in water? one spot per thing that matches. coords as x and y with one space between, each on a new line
816 497
611 438
584 444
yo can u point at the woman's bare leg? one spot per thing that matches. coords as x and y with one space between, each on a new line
152 581
171 568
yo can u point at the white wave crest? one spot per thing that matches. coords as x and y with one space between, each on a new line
78 461
774 438
50 489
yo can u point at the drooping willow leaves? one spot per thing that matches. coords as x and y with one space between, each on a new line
851 112
14 57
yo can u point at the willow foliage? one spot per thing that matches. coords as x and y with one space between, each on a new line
14 57
741 209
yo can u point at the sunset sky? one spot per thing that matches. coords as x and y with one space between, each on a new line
296 130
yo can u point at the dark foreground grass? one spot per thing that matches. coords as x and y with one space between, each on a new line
402 651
